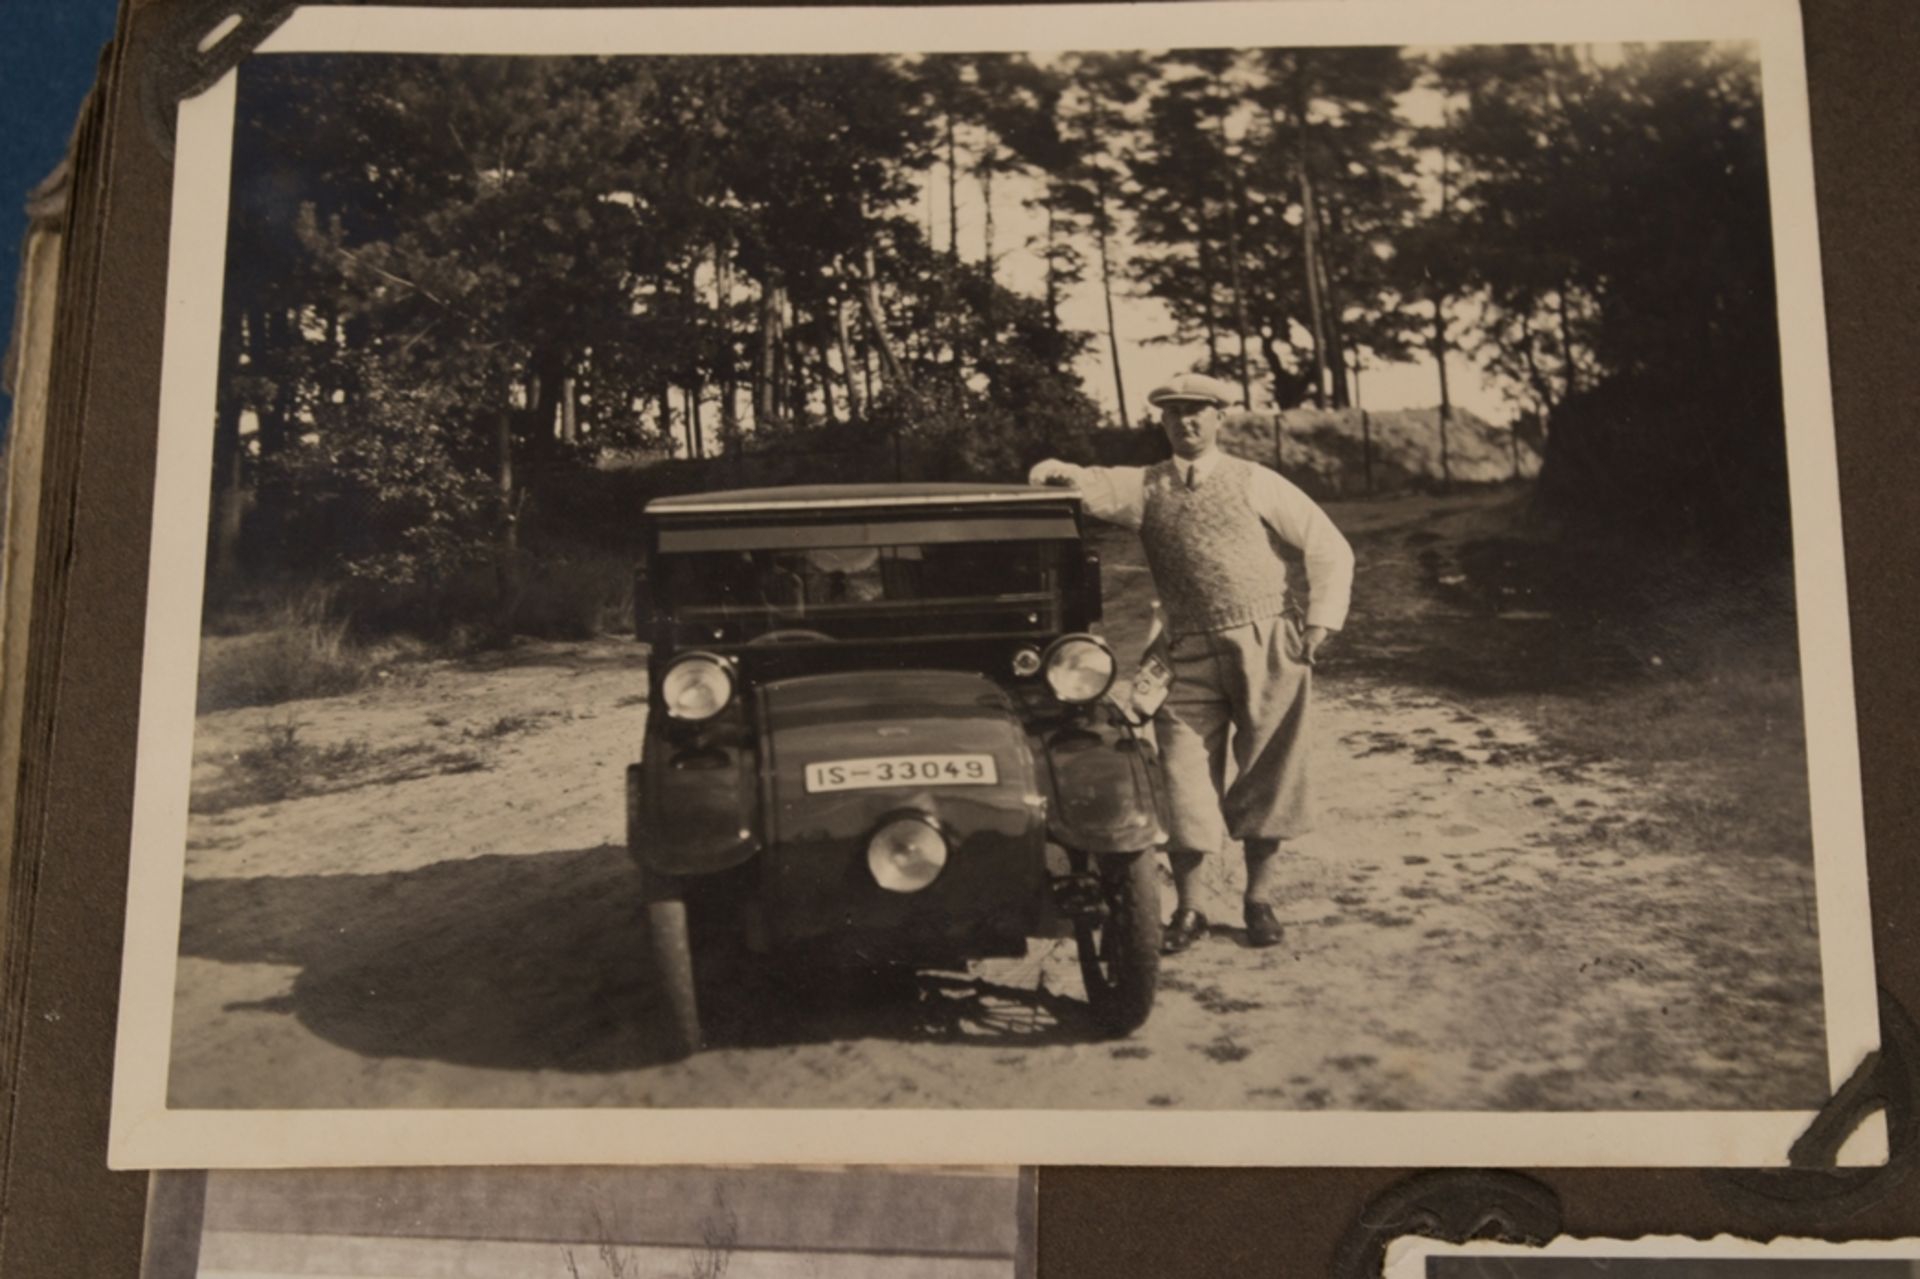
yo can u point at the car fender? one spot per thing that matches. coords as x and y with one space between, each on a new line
1104 786
695 811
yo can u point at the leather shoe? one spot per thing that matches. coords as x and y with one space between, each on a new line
1263 926
1185 928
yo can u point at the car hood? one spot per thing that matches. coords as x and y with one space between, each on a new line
906 715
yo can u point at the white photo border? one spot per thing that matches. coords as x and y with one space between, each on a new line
146 1133
1407 1257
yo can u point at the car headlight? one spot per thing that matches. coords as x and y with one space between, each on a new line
696 687
1079 668
906 854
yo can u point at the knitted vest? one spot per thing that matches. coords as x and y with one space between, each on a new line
1212 562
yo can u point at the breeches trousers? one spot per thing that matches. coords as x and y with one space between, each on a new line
1243 691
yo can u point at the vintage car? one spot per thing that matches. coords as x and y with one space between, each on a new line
880 733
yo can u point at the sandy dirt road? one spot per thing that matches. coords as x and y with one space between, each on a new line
1479 923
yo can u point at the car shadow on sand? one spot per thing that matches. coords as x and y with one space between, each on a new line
538 962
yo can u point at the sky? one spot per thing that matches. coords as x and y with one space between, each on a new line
1142 322
1139 320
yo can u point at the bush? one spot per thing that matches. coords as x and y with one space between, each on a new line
1699 465
573 597
280 765
303 648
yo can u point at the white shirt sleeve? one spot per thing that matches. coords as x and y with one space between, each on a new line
1299 522
1116 494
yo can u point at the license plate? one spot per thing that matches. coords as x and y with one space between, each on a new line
900 770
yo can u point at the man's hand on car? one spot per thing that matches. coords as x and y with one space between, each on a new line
1051 471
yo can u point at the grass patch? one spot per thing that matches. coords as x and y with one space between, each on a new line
1727 753
1681 672
1225 1050
297 647
508 726
280 765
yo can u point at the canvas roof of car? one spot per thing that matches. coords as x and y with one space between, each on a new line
832 497
759 535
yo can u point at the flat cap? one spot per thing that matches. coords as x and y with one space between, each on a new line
1193 387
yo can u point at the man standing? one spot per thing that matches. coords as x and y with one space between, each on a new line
1218 531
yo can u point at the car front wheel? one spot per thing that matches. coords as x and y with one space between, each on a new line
671 946
1120 955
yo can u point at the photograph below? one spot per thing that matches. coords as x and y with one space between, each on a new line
1655 1258
592 1223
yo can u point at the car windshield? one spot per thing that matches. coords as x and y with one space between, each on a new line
870 591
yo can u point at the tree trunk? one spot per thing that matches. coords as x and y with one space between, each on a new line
766 388
1113 333
824 368
229 491
782 393
1315 304
953 194
1439 348
1330 300
507 545
793 373
1310 245
890 366
1239 291
229 462
1366 429
1053 280
1277 370
986 202
989 328
546 370
843 339
1366 449
724 357
696 430
1204 251
1542 387
273 414
1106 292
1440 324
1566 343
569 409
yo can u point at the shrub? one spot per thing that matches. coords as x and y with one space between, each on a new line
1697 464
302 649
572 597
281 766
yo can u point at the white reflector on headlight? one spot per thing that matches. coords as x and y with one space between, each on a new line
697 686
1079 668
906 854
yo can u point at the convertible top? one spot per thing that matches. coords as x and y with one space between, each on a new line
830 497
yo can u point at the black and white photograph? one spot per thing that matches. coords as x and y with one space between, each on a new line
1725 1257
592 1223
1215 583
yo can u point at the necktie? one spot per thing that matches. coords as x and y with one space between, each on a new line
1193 476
